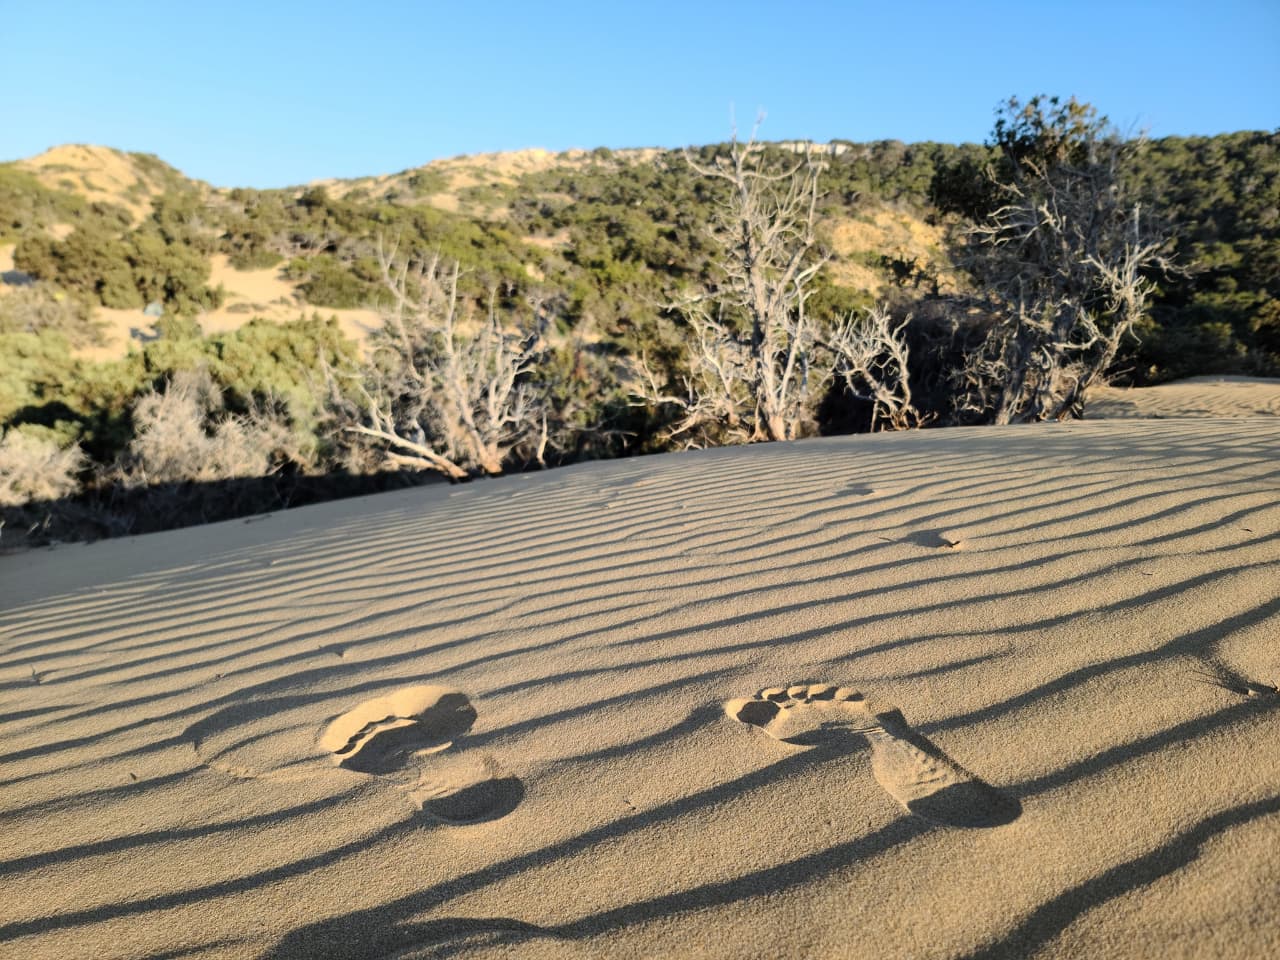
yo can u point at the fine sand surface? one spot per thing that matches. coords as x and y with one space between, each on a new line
1193 397
957 693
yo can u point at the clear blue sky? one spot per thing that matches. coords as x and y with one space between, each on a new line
273 93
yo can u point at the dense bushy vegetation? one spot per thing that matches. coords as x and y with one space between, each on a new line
601 250
103 262
1221 195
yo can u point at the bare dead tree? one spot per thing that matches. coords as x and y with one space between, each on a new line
873 362
751 343
1063 263
443 392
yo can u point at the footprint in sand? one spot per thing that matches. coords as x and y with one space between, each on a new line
908 767
408 737
936 539
855 490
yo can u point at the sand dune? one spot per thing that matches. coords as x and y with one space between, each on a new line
959 693
1193 397
99 174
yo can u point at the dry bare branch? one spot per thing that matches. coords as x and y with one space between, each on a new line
444 392
751 371
872 360
34 469
1064 263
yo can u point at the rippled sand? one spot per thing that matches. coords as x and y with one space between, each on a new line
956 693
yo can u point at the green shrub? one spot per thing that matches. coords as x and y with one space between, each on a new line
171 273
121 272
330 283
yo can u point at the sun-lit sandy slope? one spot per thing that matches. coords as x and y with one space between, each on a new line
1193 397
518 717
99 174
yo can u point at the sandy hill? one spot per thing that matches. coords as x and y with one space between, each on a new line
107 175
980 693
476 185
448 177
445 178
130 181
479 187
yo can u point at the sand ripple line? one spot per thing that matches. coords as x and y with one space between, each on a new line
909 768
399 736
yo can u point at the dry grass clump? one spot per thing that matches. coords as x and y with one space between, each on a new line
39 308
185 435
33 468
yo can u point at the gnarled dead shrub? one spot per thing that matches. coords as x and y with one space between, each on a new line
33 469
184 434
444 391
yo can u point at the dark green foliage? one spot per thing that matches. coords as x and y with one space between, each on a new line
92 262
887 170
961 183
181 219
834 302
174 274
32 367
264 359
1221 196
254 224
175 326
1042 133
122 272
42 382
423 182
1045 132
327 282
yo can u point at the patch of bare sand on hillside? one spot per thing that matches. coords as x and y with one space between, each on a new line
10 276
859 242
249 293
477 170
265 293
507 166
259 288
981 693
121 330
559 240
